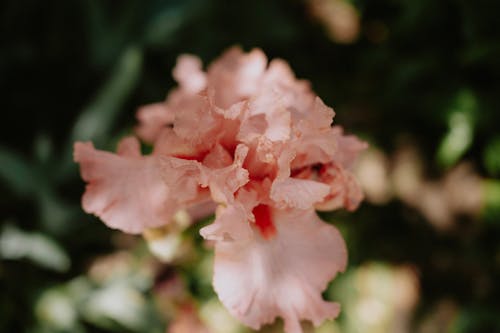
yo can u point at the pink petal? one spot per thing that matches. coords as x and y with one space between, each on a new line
320 117
298 193
231 122
257 282
261 161
296 95
224 182
152 118
231 221
189 73
235 111
230 224
201 209
315 147
279 125
235 75
129 146
345 191
196 121
349 147
217 158
278 118
126 191
267 116
185 179
316 141
252 128
169 143
293 192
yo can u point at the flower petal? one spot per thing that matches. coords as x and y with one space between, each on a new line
200 210
349 147
152 118
217 158
185 178
257 282
169 143
345 190
224 182
298 193
189 73
319 146
231 221
235 75
316 141
208 124
294 192
296 95
126 190
230 224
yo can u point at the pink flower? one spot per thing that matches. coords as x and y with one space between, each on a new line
259 143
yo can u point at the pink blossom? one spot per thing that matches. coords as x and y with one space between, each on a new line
259 143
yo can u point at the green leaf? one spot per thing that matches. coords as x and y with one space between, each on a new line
56 310
17 173
110 32
491 156
43 148
16 244
118 302
461 122
96 120
55 213
163 25
491 211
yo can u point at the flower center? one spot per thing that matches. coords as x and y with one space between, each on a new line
198 157
264 221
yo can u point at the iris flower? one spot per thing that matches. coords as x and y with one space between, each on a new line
247 137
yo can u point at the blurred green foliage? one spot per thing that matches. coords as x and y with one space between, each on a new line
421 70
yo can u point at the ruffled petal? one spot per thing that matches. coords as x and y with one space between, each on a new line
267 116
186 179
235 75
320 117
257 282
196 121
217 158
349 147
231 221
278 125
298 193
316 141
345 191
169 143
152 119
126 190
224 182
296 95
314 147
202 209
189 73
252 128
289 192
230 224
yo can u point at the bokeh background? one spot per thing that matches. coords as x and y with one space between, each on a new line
418 79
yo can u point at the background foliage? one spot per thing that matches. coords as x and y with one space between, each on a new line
421 74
